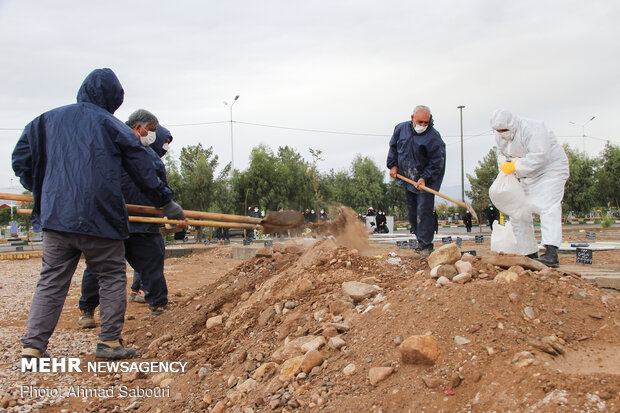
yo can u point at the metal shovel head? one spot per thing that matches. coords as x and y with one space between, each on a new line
277 221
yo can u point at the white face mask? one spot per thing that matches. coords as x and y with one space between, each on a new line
166 147
419 128
148 139
507 136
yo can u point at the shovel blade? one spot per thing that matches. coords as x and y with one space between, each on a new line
277 221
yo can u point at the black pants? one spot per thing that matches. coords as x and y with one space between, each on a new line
145 253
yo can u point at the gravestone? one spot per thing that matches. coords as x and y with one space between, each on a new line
584 255
269 243
446 240
472 252
479 239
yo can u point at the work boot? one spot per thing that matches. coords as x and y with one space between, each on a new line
533 255
550 257
156 311
137 297
113 350
87 318
31 353
425 251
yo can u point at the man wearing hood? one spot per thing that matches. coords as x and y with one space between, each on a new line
418 153
526 147
72 159
145 247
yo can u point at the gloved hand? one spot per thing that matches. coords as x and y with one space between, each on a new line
173 210
508 167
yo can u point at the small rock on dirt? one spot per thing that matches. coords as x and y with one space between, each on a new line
378 374
420 350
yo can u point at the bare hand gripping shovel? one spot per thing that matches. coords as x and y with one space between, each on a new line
432 191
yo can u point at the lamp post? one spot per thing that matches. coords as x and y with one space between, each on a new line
583 131
232 152
460 108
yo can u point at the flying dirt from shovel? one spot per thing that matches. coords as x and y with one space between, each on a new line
348 230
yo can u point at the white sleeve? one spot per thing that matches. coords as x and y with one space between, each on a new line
537 145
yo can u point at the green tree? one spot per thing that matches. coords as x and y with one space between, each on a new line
480 182
367 181
260 181
580 189
294 188
395 199
608 184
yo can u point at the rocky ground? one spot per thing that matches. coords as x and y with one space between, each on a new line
315 325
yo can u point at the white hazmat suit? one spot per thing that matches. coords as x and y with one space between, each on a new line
542 166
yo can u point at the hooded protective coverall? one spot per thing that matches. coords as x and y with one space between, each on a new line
72 159
542 167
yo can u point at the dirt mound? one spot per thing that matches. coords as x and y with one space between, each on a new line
537 341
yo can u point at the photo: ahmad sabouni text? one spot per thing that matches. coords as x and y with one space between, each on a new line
92 392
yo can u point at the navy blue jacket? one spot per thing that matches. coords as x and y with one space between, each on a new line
72 159
418 155
132 193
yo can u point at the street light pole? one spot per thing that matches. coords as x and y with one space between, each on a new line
232 151
583 132
460 108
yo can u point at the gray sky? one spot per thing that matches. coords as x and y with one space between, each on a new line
347 66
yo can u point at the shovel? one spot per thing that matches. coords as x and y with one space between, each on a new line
465 205
273 222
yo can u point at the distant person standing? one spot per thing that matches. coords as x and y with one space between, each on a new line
312 216
467 221
492 215
417 152
72 159
436 221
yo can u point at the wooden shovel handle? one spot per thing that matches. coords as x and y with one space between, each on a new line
143 209
155 220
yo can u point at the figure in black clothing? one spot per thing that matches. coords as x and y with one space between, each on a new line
312 216
467 221
492 214
436 221
323 215
381 220
306 215
371 212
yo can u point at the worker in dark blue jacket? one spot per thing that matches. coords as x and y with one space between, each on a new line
145 248
72 159
418 153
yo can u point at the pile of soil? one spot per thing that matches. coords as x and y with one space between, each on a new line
547 341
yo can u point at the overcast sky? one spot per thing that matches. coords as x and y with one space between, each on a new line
344 66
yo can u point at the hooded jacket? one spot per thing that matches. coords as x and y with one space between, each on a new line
133 194
417 155
72 159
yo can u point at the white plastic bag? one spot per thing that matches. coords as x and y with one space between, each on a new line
507 195
503 239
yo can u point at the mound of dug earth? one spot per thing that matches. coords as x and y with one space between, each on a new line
328 329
